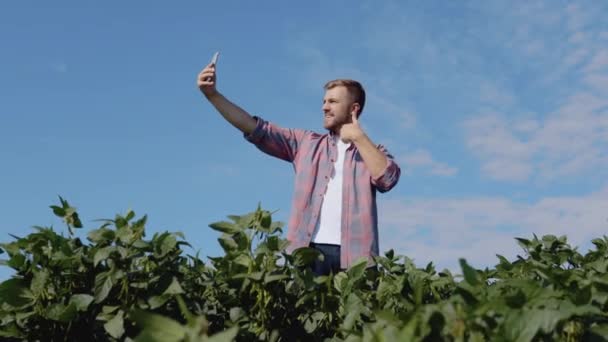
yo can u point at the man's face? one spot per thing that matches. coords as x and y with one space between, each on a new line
337 107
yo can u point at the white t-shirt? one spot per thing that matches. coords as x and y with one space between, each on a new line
329 227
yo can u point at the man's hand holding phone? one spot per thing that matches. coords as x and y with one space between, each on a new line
207 78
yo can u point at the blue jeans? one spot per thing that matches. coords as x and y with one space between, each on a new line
331 260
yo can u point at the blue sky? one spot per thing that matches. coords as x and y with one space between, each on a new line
496 111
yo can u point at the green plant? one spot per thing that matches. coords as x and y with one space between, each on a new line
119 285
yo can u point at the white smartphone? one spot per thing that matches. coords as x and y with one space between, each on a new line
214 61
215 57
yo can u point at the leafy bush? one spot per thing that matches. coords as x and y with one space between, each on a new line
121 286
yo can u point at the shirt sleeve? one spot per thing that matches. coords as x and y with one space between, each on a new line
389 176
276 141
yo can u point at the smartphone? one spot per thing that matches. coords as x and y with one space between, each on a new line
214 61
215 57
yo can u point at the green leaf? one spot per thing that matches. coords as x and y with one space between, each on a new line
167 243
184 309
236 313
228 243
102 254
524 243
103 285
13 292
158 301
583 295
470 274
108 309
120 222
269 278
516 300
61 312
17 261
125 235
81 301
357 269
225 227
58 211
157 328
266 220
130 215
305 256
601 330
257 276
140 244
13 248
101 235
504 263
243 260
115 326
10 331
353 308
75 220
340 282
39 281
174 288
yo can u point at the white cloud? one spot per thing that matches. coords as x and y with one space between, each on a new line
443 230
526 126
598 82
578 38
493 136
493 95
406 119
576 18
567 138
575 57
507 170
570 141
599 62
423 160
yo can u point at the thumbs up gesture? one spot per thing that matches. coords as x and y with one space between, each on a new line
350 132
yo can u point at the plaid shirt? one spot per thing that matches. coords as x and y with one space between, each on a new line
313 156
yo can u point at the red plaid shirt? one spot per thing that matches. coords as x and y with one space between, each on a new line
313 156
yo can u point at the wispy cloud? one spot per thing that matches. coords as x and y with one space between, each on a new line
443 230
569 141
422 161
317 68
569 136
403 117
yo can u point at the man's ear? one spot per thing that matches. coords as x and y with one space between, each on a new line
355 109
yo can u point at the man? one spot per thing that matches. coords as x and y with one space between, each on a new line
337 174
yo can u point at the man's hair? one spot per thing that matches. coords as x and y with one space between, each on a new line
354 88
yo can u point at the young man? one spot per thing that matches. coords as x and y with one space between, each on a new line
337 173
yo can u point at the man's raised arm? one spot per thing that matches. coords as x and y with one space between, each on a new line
238 117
